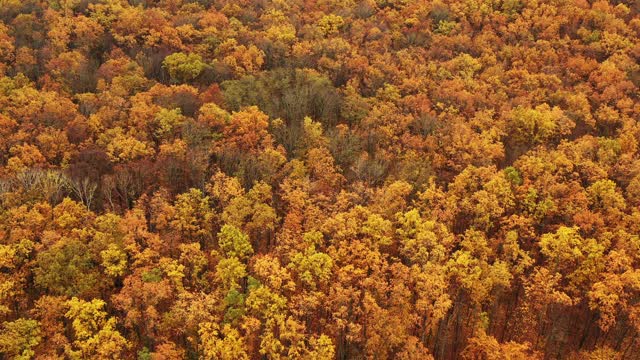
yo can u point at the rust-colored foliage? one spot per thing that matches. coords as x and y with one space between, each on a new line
327 179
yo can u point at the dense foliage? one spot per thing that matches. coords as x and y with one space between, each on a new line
319 179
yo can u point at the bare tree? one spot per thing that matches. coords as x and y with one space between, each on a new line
109 191
29 179
84 189
6 185
46 184
52 185
123 186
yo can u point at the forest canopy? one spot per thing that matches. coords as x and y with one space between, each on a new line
326 179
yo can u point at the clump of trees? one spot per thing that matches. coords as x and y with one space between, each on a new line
381 179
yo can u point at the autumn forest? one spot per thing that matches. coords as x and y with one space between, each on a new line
320 179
